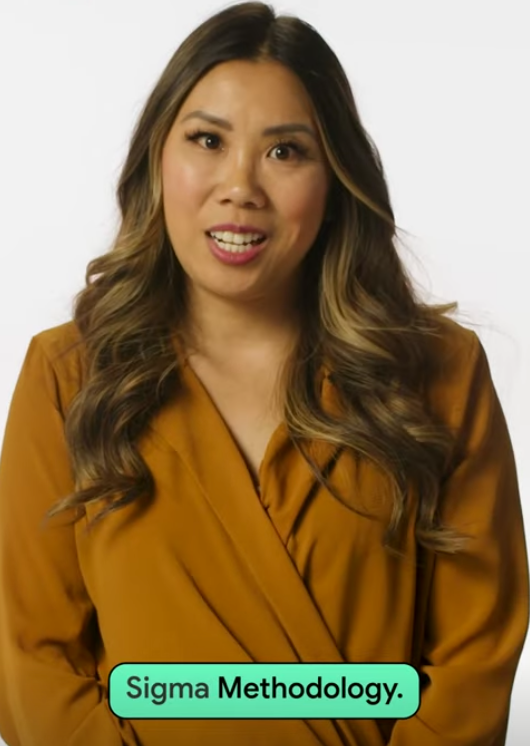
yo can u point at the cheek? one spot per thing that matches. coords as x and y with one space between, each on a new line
304 204
183 186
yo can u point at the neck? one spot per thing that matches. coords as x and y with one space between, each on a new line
218 328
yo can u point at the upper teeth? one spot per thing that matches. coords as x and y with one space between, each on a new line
237 238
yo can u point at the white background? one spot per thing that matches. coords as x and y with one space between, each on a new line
443 89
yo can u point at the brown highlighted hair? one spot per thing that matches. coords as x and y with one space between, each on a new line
360 313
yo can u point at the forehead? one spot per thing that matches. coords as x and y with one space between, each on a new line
239 86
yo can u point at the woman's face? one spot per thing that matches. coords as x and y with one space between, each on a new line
221 166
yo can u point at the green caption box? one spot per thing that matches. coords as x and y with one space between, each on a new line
263 690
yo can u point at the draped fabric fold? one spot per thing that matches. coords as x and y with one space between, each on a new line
259 529
210 571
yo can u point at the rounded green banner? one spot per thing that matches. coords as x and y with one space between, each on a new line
264 690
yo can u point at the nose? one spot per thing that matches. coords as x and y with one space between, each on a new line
240 184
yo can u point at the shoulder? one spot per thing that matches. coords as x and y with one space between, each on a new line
56 340
55 355
458 365
452 346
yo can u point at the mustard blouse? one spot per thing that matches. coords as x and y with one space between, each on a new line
210 572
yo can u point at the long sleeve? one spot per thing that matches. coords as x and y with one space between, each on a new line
49 690
477 613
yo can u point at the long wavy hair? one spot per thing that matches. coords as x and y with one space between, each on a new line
361 315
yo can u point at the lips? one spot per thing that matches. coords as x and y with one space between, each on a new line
235 257
254 242
234 228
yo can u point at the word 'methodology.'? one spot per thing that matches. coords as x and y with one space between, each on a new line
159 691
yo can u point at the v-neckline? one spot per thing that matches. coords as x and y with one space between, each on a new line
278 437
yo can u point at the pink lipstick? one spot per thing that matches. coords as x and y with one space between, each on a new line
235 257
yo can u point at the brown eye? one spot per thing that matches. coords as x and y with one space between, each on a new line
297 150
208 137
280 148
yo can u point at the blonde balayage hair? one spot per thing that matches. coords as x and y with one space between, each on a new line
360 314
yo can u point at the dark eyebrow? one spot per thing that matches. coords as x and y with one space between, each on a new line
278 129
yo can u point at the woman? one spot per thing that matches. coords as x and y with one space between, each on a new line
252 442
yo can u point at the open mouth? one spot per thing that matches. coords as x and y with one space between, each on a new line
236 243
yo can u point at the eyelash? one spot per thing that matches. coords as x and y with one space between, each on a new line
300 150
